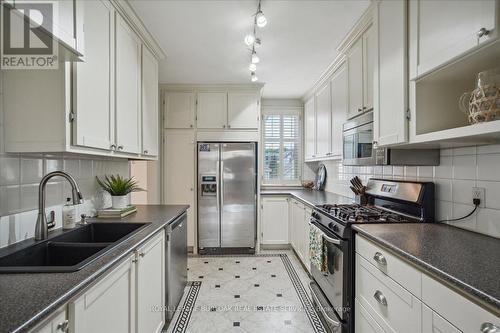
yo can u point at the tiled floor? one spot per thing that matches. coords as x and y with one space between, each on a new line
262 293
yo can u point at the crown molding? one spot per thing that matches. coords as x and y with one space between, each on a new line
211 87
358 29
327 74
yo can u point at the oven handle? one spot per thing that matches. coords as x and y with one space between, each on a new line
333 322
325 237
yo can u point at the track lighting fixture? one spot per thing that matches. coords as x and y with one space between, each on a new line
252 67
259 20
253 77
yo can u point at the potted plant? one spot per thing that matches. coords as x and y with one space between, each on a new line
118 187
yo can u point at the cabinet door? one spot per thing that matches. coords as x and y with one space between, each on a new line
91 311
442 31
323 121
179 173
211 110
434 323
338 85
92 80
310 129
128 88
390 122
57 324
298 220
274 219
179 109
364 322
355 77
151 285
243 110
369 56
149 103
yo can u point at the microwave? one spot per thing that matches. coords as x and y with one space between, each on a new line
358 147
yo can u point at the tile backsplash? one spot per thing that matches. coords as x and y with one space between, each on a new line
460 170
20 175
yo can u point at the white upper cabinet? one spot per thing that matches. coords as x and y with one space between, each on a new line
179 109
92 81
243 110
440 31
391 88
323 121
128 88
369 53
338 86
150 118
309 129
355 70
211 110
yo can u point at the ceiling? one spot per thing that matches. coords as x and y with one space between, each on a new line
203 40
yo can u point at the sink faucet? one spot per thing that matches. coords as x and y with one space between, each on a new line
41 228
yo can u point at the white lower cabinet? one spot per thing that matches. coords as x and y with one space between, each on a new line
151 285
56 324
109 306
392 296
434 323
274 220
125 300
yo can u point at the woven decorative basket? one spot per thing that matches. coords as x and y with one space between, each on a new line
484 104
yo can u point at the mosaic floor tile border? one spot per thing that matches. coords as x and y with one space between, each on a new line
182 322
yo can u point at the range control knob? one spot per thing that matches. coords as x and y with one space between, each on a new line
334 227
315 215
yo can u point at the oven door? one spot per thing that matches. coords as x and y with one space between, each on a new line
328 287
358 145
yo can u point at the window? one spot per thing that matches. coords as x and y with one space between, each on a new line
281 137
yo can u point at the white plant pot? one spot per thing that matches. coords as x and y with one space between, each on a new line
119 202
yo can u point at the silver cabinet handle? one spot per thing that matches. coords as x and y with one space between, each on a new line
145 151
223 126
228 126
483 32
489 328
379 258
113 146
120 147
359 110
63 326
331 240
379 297
142 254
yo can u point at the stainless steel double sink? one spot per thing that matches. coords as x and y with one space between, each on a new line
70 251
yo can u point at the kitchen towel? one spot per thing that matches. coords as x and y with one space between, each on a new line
317 250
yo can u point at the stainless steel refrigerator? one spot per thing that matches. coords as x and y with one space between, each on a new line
227 197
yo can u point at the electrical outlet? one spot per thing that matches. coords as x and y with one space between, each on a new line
479 193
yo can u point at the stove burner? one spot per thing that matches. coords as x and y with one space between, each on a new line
357 213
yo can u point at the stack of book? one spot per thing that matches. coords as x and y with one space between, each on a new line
116 213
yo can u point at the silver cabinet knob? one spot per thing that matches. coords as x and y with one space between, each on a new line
483 32
228 126
142 254
191 125
379 297
113 147
360 109
145 151
379 258
120 147
223 126
134 260
63 326
489 328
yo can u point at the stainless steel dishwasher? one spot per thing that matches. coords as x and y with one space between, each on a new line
176 263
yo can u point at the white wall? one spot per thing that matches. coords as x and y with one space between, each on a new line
459 171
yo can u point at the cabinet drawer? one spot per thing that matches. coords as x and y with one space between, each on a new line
364 321
434 323
465 315
394 308
390 265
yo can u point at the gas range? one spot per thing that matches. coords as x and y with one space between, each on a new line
387 201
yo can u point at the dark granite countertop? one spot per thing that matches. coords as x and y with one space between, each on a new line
28 299
310 197
465 261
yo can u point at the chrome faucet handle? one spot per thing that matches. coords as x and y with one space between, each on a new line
51 220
